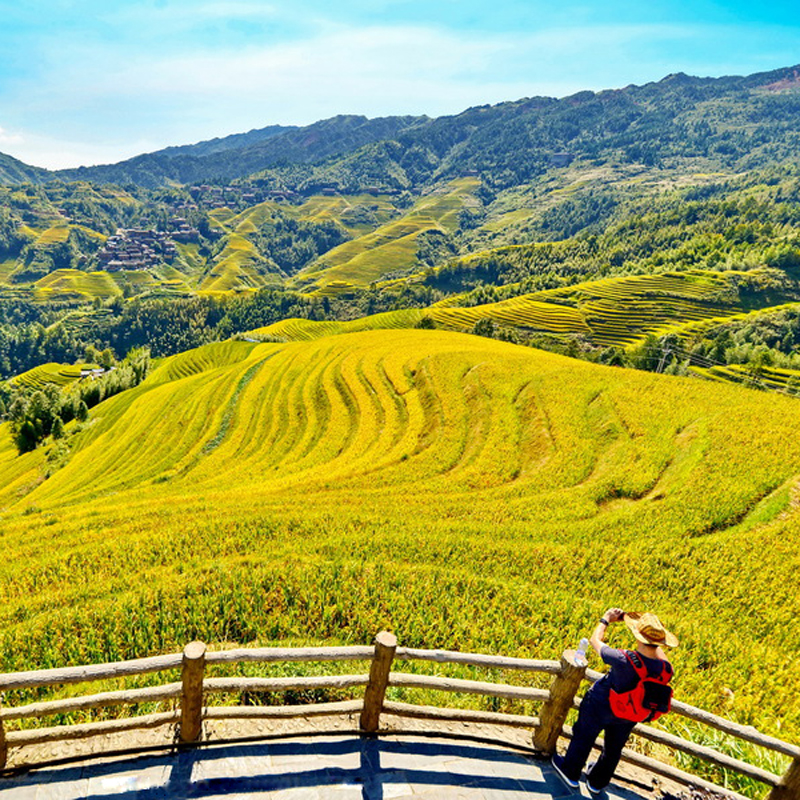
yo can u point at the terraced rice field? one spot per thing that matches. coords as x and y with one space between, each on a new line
464 492
55 235
50 373
299 330
63 284
782 380
613 311
6 268
518 312
392 246
619 311
201 359
346 210
238 266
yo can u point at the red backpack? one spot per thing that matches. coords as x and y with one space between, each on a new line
649 699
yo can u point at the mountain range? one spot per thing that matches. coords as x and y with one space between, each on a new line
730 122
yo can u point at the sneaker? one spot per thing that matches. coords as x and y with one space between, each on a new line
558 762
589 786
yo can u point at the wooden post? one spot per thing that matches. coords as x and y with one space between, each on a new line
385 645
3 746
789 787
194 663
554 711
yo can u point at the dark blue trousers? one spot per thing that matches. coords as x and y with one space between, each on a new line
595 716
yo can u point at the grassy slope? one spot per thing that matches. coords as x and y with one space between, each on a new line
392 246
63 284
466 492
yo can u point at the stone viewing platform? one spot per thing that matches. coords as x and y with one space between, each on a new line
317 766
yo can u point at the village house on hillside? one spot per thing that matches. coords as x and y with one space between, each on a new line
182 231
211 196
136 249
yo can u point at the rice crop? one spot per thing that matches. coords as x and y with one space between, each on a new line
50 373
464 492
64 284
238 266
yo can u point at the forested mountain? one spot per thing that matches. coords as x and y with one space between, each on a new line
13 171
239 158
223 143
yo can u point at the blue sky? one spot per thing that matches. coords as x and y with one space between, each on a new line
95 81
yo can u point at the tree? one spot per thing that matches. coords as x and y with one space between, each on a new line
26 437
16 412
484 327
106 359
82 412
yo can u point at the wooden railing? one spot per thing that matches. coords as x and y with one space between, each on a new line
190 711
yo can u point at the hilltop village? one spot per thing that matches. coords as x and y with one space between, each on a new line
138 248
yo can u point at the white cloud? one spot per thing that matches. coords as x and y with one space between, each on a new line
8 138
54 153
376 69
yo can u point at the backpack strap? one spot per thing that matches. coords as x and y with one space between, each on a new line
635 660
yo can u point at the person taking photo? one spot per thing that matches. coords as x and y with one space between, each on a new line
634 690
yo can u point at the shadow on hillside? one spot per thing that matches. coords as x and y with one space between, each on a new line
366 768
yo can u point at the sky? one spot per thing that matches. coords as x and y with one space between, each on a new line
97 81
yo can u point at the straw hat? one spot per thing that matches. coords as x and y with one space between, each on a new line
647 628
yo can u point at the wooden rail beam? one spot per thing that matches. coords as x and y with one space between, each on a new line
194 663
271 655
478 660
789 786
231 685
3 746
413 681
88 672
554 711
459 715
283 712
385 646
70 704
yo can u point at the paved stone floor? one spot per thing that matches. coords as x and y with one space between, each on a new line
338 767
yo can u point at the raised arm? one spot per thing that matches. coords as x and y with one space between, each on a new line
599 633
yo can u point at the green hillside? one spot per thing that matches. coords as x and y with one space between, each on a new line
392 247
464 492
583 224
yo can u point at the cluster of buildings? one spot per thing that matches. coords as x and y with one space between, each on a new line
182 231
139 248
225 195
205 195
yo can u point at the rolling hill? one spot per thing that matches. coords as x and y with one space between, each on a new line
611 312
464 492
